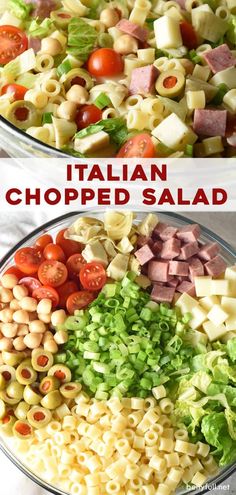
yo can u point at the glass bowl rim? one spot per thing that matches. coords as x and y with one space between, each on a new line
227 471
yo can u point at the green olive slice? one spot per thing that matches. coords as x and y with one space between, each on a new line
22 429
25 374
68 77
41 360
7 423
2 409
170 83
15 390
8 400
52 400
49 384
23 114
31 395
8 373
70 390
61 18
39 417
2 382
61 372
22 410
12 358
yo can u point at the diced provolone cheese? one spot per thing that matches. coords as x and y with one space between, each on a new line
167 32
214 332
203 286
217 315
199 315
186 303
208 302
174 133
92 143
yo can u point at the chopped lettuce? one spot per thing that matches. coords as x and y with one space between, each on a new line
215 430
40 29
231 349
20 9
231 33
81 38
116 128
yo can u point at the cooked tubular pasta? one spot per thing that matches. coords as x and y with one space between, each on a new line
44 62
51 88
38 98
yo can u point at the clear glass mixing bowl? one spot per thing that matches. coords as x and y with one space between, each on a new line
52 227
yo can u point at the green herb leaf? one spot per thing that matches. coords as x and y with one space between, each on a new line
116 128
81 38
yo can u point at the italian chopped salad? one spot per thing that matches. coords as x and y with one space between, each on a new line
117 357
121 78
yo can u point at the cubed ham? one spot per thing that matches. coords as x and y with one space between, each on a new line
189 233
181 4
162 294
220 58
43 8
187 287
209 251
173 282
159 229
216 266
179 268
143 79
144 254
188 250
142 240
157 247
34 43
196 268
168 232
133 29
158 271
170 249
210 122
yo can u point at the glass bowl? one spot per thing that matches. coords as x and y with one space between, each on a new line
52 227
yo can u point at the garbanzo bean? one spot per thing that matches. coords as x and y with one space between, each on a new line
22 330
20 291
51 46
33 340
9 330
18 343
51 346
61 337
28 303
67 110
6 315
44 306
37 326
58 317
9 281
109 17
46 318
47 336
77 94
21 316
14 304
5 344
6 295
125 44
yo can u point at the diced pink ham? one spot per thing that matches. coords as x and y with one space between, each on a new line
189 233
220 58
144 254
170 249
168 232
209 251
34 43
178 268
173 282
196 268
187 287
210 122
181 4
162 294
157 247
143 79
133 29
188 250
142 240
216 266
43 8
158 271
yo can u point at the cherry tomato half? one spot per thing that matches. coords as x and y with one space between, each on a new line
105 62
188 34
139 146
65 291
13 270
15 91
52 273
46 292
54 252
93 276
13 42
86 115
43 241
74 265
69 247
31 283
78 300
28 259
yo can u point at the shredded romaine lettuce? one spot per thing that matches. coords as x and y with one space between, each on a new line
20 9
81 38
39 29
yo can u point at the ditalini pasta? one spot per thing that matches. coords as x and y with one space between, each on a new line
108 67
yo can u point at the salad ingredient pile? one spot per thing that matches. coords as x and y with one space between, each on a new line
105 385
112 78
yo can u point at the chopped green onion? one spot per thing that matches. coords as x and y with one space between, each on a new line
63 68
189 150
47 118
218 98
102 101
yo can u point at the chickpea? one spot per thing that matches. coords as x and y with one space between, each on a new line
9 330
6 295
61 337
37 326
6 315
14 304
5 344
33 340
109 17
58 317
77 94
3 305
22 330
45 318
18 343
47 336
51 46
20 291
44 306
125 44
188 65
21 316
67 110
9 281
28 303
51 346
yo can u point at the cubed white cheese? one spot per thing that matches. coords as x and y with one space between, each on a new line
220 287
208 302
199 315
214 332
203 286
95 252
229 305
167 32
174 133
92 143
230 272
231 323
186 303
217 315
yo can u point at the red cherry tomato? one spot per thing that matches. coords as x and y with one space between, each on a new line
43 241
139 146
105 62
13 42
31 283
16 91
28 259
52 273
13 270
78 300
69 247
188 34
65 291
54 252
78 80
46 292
93 276
74 265
86 115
